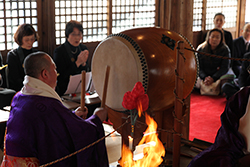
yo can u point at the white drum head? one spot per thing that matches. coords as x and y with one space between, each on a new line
125 70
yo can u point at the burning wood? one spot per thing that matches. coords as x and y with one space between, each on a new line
150 149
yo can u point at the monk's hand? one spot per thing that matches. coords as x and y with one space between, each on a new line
82 112
102 113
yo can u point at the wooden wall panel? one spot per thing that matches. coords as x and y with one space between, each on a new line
176 16
46 25
240 17
181 19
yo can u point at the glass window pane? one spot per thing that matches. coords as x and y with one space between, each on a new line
82 11
228 8
16 13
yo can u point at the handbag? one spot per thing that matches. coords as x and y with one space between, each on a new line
213 89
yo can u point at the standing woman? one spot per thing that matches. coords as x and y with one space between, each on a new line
71 57
24 36
219 21
212 68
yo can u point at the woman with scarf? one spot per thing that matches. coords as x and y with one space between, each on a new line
71 57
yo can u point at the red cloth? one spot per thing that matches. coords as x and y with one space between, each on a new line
229 143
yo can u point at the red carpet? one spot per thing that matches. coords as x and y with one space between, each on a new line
205 114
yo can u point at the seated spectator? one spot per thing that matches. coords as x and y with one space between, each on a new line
24 36
212 68
241 46
71 57
244 77
6 95
232 142
41 129
230 88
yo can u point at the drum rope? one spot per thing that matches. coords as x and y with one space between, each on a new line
181 53
183 104
176 73
217 56
178 98
88 146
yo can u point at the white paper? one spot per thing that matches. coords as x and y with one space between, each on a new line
75 81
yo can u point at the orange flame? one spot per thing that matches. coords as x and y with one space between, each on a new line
153 149
139 108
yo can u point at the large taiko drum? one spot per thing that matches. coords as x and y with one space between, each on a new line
147 55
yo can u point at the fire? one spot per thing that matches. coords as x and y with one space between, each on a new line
152 150
139 105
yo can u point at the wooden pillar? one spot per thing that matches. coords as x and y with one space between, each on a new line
240 17
178 104
46 26
181 20
177 15
109 17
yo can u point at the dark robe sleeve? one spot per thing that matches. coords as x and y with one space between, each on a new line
201 59
229 40
244 77
239 50
229 144
224 64
63 69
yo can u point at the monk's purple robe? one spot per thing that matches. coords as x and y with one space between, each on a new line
42 127
229 143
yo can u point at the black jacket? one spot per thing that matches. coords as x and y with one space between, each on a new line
15 59
212 66
244 77
65 64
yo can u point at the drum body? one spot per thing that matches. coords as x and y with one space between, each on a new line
147 55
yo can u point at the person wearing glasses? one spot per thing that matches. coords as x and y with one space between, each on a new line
241 46
71 57
25 36
240 68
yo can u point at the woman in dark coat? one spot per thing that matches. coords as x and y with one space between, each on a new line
70 57
25 36
212 68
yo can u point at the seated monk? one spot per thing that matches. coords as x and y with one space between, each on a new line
232 143
41 129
